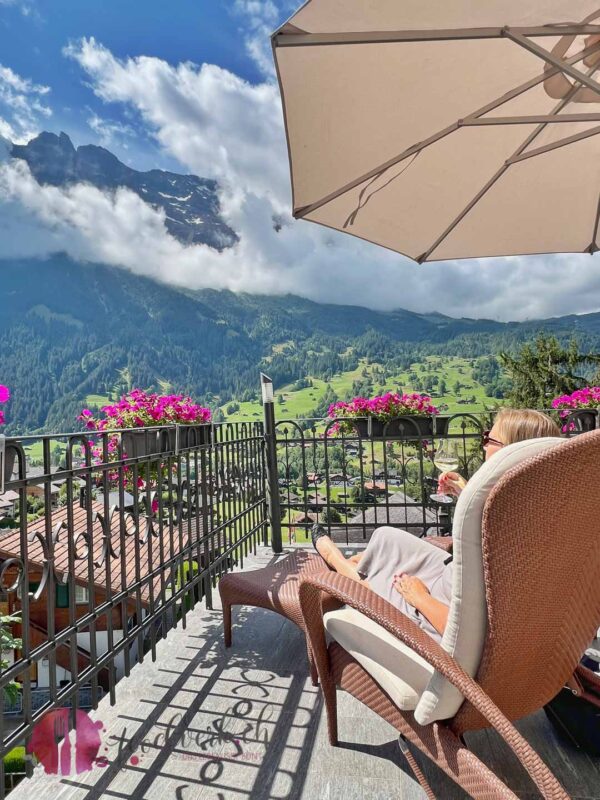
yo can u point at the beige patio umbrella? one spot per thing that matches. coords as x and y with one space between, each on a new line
446 128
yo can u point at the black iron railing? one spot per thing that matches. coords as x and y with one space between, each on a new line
353 480
364 475
111 540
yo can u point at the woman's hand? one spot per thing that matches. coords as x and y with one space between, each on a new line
412 589
416 594
451 483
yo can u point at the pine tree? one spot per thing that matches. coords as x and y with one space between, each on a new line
545 369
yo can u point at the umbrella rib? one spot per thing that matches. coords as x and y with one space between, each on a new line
302 211
547 148
568 69
496 177
593 248
281 39
531 119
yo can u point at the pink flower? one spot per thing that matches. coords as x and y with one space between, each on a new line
588 397
4 394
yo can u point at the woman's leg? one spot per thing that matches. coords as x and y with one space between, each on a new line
334 558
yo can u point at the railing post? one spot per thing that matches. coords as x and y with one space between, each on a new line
2 461
273 500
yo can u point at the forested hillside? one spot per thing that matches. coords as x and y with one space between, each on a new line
70 331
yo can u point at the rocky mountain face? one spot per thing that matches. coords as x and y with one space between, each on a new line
191 204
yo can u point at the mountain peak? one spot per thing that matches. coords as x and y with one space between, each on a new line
191 204
51 158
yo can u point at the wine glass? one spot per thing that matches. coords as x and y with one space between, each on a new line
445 459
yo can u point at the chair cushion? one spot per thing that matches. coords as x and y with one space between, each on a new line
397 669
465 632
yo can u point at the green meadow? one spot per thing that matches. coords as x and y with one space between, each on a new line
299 404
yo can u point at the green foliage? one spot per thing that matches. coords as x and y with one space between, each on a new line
358 495
331 516
9 642
72 333
544 369
14 760
185 574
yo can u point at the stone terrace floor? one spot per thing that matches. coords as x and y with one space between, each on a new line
205 723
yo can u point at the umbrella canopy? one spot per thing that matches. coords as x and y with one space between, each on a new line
446 129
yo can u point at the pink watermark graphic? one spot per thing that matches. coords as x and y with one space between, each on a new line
64 749
67 749
4 398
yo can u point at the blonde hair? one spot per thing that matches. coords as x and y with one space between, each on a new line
518 424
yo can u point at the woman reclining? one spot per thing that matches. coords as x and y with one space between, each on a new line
409 572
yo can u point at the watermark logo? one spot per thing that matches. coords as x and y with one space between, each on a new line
66 749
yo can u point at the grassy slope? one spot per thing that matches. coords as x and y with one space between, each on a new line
298 404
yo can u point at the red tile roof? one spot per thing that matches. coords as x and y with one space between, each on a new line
127 548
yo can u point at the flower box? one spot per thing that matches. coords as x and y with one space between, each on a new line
581 421
406 427
578 411
137 444
390 416
194 435
155 416
190 436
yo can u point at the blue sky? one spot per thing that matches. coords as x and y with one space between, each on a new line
33 34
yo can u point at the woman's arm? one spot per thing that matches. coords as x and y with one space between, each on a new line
416 594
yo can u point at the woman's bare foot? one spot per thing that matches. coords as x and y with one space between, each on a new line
332 555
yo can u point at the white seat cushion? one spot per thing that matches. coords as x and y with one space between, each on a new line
397 669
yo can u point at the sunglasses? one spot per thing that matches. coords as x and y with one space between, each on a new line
487 439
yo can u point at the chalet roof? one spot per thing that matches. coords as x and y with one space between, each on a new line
38 472
10 496
395 513
126 544
378 486
301 517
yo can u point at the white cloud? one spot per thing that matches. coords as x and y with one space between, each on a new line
21 106
214 122
110 131
260 20
22 4
218 125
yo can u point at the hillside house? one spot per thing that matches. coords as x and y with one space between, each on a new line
117 571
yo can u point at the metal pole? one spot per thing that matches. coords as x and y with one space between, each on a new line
273 500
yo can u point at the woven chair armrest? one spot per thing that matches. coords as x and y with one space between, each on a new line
590 681
360 597
443 542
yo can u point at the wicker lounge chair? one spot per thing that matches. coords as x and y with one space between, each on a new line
526 603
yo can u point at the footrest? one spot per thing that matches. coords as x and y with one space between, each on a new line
274 587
